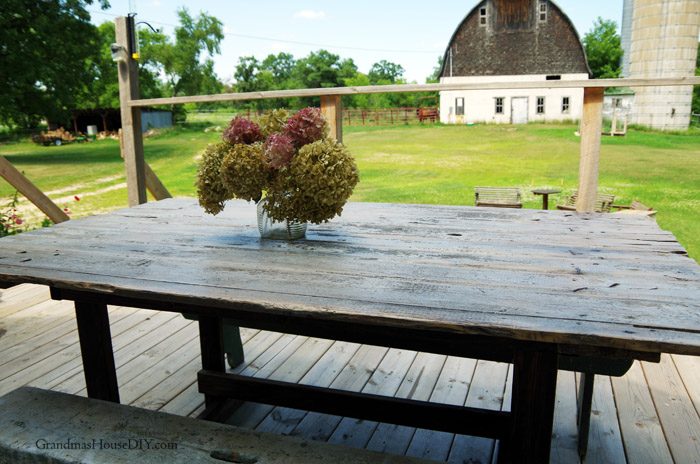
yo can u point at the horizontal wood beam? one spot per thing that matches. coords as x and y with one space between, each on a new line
404 88
400 411
31 192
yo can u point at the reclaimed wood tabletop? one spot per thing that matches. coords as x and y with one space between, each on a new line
579 279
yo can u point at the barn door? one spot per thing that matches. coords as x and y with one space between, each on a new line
518 110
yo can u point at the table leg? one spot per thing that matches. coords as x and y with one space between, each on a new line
96 349
532 406
545 201
211 340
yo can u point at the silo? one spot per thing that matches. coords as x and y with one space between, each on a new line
664 43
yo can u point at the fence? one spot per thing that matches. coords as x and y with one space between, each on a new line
351 116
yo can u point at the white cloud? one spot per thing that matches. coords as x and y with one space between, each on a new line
310 14
157 3
226 29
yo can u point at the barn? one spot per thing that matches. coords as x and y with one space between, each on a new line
513 41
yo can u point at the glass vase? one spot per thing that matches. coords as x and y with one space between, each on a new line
278 230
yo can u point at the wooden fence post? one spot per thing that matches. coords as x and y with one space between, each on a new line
131 118
591 127
332 109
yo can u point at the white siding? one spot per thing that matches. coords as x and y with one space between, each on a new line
480 105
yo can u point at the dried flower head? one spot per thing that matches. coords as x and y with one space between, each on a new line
244 171
321 178
210 189
241 130
307 126
272 121
279 149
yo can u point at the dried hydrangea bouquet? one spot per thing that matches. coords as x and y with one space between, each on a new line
304 175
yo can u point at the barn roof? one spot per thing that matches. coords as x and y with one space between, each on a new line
512 39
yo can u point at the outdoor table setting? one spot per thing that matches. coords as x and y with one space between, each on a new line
464 281
545 195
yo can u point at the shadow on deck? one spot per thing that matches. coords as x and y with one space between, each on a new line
648 416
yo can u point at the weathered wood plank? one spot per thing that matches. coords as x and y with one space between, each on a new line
352 377
418 384
132 137
453 385
679 419
418 88
643 437
486 391
29 190
605 441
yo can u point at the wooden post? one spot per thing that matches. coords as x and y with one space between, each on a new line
591 127
131 119
29 190
332 109
153 183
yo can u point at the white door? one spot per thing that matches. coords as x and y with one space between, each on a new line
518 110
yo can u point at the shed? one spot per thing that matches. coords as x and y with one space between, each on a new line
513 40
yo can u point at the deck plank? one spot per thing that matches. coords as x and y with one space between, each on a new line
679 419
643 436
649 415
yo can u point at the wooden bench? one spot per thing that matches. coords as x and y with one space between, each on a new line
603 202
41 426
498 197
636 206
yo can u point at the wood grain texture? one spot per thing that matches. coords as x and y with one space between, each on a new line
583 279
132 138
589 162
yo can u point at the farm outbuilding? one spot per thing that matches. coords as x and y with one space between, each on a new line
513 41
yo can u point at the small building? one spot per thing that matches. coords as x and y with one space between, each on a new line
513 41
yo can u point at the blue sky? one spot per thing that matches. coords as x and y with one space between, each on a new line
410 33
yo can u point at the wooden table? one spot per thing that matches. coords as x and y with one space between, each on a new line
545 196
524 286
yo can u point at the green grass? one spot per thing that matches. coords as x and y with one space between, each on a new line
417 164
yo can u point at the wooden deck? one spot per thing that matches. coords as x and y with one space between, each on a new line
648 416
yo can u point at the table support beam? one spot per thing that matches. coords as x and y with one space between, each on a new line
96 349
532 406
412 413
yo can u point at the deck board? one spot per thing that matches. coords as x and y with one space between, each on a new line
649 415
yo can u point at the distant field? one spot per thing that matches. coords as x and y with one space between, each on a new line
425 164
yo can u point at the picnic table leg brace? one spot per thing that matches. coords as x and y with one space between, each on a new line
96 350
211 341
532 408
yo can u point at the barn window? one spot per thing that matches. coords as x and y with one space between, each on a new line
565 105
540 105
499 105
459 106
543 11
482 16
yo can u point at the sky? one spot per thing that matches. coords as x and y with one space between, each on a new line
411 33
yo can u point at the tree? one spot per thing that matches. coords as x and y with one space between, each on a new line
181 61
603 49
385 72
45 47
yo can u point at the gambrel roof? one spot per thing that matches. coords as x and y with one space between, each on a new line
513 37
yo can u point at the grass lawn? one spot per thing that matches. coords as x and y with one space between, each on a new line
418 164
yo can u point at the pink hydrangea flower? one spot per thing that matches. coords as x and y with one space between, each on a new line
279 149
307 126
242 131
